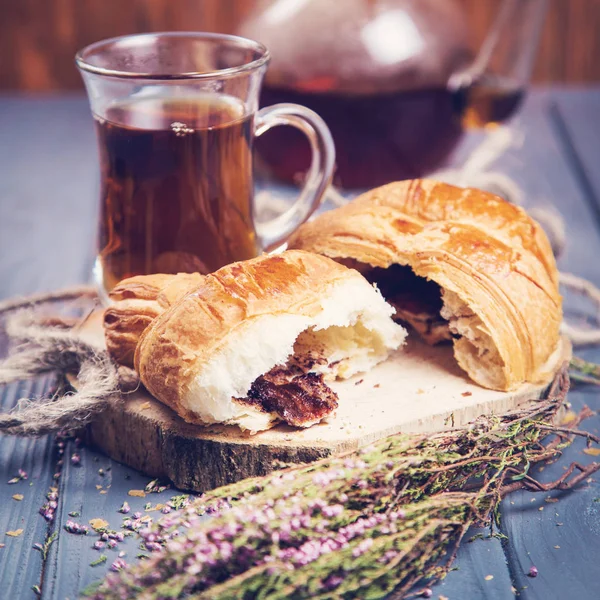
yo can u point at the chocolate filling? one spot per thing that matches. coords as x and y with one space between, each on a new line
298 398
417 301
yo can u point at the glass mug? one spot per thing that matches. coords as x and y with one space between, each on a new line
176 115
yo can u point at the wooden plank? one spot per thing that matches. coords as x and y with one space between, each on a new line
45 183
558 537
479 557
576 118
85 491
20 566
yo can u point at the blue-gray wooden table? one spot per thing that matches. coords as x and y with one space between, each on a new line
48 201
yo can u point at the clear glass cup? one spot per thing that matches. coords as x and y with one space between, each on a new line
176 115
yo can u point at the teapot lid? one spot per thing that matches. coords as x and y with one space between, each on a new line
360 46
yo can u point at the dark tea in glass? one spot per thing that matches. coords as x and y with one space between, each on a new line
176 116
176 186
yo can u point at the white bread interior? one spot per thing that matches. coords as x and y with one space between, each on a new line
474 350
353 330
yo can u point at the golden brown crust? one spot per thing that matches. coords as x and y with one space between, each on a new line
137 301
486 250
189 332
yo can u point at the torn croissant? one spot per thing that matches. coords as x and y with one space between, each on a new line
135 303
257 342
458 264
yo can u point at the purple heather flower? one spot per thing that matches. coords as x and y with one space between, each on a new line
332 582
118 565
333 510
75 459
125 508
112 543
153 546
73 527
426 593
389 555
137 515
533 572
362 547
99 545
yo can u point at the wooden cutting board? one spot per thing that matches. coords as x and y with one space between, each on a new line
418 389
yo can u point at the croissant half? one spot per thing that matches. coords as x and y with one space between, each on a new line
257 340
135 303
458 264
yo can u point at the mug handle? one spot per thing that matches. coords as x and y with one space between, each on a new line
274 232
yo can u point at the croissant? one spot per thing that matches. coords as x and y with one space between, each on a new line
136 302
458 264
255 343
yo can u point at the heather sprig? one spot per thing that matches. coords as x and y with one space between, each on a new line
357 526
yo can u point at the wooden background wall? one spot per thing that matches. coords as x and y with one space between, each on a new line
38 38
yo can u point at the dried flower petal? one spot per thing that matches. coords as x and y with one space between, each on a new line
15 533
592 451
533 572
98 524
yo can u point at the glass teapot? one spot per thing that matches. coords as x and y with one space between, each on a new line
397 81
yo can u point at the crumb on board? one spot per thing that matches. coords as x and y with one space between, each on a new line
420 391
466 394
377 385
14 533
358 382
592 451
145 405
18 497
98 524
137 493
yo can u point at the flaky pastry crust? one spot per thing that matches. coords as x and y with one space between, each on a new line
175 346
493 262
136 302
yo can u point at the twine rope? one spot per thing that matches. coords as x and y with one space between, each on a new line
58 348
